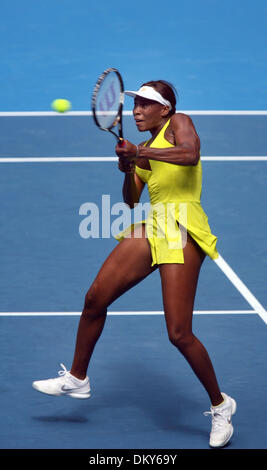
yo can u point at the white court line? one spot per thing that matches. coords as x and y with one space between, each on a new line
242 288
129 313
115 159
235 159
129 113
56 159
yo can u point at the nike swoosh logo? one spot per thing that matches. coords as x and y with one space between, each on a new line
66 389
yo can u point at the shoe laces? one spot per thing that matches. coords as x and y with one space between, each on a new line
62 372
218 419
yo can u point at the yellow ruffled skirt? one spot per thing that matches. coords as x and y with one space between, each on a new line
167 226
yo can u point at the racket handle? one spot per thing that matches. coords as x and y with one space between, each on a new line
121 142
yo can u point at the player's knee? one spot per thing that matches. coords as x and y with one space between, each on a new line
93 302
180 338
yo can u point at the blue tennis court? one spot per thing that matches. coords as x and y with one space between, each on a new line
144 395
137 376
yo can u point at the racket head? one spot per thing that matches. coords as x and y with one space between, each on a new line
107 102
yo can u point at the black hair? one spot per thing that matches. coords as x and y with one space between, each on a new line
167 90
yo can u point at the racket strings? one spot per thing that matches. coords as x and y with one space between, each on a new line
108 101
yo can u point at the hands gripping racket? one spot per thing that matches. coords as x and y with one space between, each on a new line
107 102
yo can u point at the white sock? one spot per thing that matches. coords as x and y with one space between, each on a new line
75 379
222 403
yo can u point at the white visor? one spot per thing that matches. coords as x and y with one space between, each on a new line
150 94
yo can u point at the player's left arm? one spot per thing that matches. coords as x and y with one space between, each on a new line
182 134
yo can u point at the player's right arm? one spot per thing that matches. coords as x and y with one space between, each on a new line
132 185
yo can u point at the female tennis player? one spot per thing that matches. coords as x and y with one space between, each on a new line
174 239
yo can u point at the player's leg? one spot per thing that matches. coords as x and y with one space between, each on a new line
128 264
179 284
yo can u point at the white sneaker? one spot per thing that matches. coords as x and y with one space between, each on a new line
65 384
222 428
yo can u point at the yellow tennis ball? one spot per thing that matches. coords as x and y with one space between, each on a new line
61 105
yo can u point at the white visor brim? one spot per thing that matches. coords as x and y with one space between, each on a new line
149 93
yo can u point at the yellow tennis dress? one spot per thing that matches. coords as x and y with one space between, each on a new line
175 193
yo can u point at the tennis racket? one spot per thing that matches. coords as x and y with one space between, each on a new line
107 102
